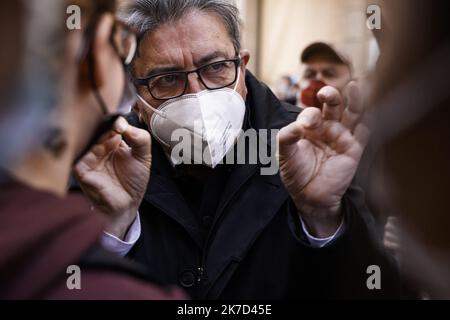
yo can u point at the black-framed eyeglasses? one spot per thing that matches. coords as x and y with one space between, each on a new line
171 85
123 39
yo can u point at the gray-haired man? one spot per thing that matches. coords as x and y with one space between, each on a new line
225 230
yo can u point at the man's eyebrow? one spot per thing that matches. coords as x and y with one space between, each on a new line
156 71
212 56
204 60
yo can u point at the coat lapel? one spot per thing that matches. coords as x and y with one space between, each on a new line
163 193
243 220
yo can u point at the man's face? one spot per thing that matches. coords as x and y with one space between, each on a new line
331 73
197 39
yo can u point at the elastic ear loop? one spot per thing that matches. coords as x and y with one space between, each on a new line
158 112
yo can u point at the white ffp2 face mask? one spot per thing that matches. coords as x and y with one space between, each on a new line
213 120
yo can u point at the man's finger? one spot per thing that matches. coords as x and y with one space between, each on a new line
392 245
110 140
138 140
103 149
100 152
332 100
120 126
362 134
333 131
337 137
288 137
310 118
354 110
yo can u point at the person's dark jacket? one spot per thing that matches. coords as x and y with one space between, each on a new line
237 235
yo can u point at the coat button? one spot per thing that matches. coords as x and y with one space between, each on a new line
187 279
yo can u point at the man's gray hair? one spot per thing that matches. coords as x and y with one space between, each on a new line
148 15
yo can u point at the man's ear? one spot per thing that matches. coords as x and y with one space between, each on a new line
245 58
136 109
102 51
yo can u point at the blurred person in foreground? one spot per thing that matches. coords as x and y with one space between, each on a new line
14 113
74 81
322 65
411 100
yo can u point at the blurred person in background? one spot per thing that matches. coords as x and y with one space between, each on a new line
322 65
287 89
74 83
411 175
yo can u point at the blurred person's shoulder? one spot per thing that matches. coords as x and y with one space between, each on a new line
53 233
110 285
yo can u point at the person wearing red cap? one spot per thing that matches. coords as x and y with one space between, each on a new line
322 65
